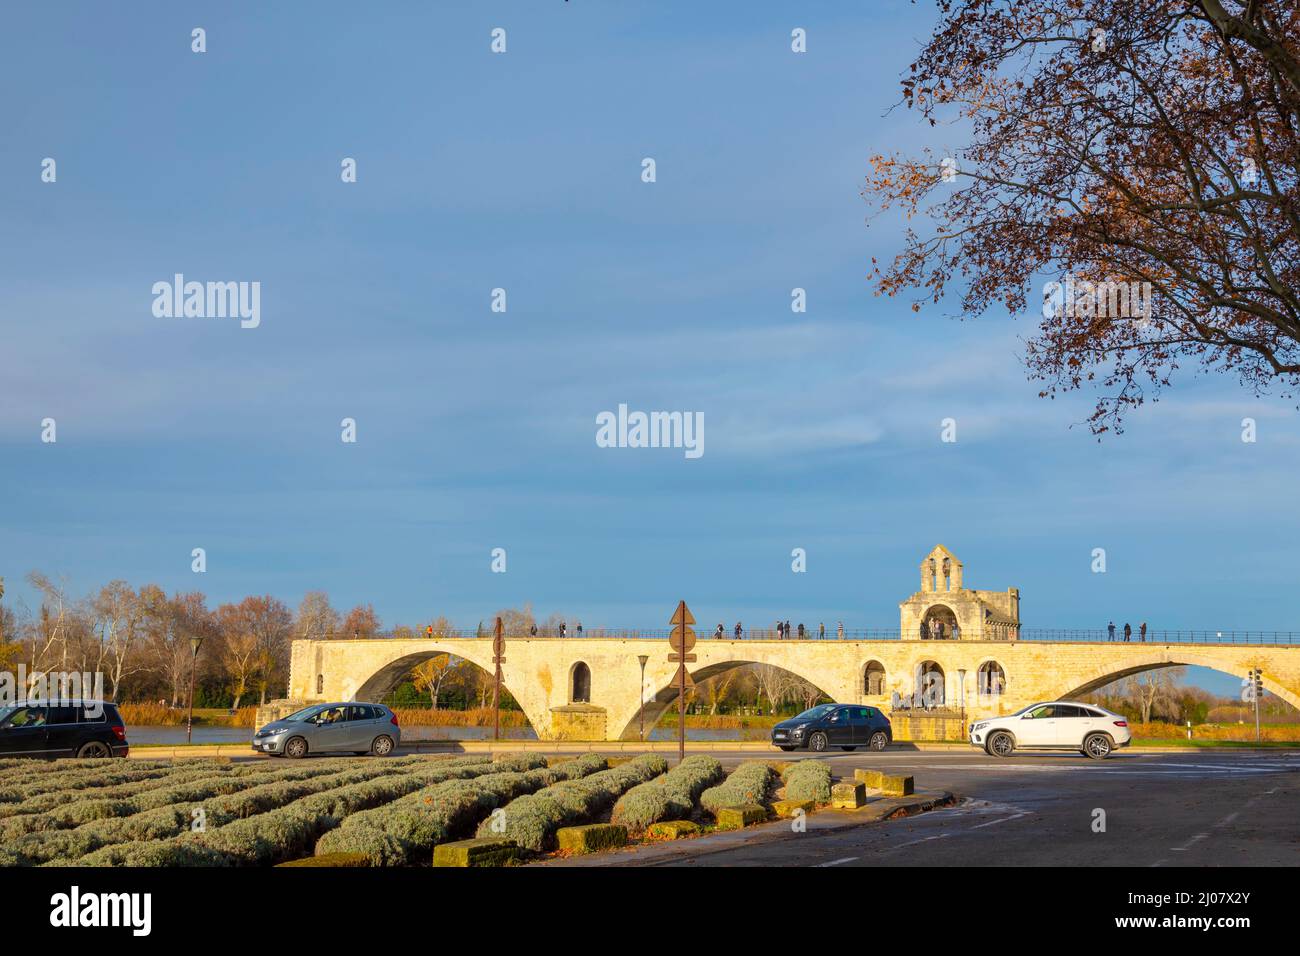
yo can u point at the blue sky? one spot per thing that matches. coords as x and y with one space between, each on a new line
476 429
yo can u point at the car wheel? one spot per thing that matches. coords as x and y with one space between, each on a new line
787 749
295 747
1001 744
1097 746
382 746
817 742
95 749
879 740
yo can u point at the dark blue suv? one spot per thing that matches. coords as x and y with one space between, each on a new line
847 726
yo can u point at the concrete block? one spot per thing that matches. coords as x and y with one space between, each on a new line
870 777
592 837
787 808
483 851
736 818
671 830
896 786
848 796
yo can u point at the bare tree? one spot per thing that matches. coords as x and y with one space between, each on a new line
119 617
317 620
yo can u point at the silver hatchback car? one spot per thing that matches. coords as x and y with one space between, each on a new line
331 728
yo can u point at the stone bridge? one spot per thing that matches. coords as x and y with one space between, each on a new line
591 688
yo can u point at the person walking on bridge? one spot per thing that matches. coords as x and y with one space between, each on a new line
1110 631
1142 631
802 632
1128 632
739 631
780 631
821 631
720 631
840 631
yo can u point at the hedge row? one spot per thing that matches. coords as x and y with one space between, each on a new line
406 831
751 782
287 832
41 777
169 821
807 780
670 797
531 821
45 801
187 785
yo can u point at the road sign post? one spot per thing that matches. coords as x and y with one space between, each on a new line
498 658
682 639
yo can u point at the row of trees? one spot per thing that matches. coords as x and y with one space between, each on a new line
141 639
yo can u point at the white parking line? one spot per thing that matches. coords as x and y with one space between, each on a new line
1003 820
899 846
1190 843
847 859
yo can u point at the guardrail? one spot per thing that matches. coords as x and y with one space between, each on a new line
1032 634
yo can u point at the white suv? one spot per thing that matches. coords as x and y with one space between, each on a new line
1056 725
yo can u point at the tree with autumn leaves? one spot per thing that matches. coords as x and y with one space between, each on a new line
1120 141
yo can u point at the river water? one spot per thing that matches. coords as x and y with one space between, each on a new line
234 735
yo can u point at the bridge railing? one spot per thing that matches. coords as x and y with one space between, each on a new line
1042 634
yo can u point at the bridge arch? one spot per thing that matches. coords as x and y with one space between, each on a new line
1163 656
385 679
658 703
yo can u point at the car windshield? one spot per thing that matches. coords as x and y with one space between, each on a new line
307 713
821 710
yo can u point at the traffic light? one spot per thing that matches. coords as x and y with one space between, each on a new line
1259 683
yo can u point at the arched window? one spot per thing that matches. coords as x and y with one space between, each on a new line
939 623
992 679
580 684
930 690
873 683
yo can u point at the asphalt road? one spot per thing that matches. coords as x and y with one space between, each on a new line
1196 809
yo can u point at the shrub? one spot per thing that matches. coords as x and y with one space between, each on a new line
190 787
286 832
531 821
751 782
670 797
406 830
172 820
807 780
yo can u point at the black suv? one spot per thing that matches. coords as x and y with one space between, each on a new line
79 728
847 726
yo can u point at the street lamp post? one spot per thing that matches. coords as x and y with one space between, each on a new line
643 658
194 657
961 679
